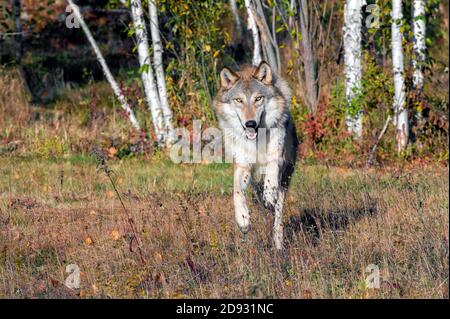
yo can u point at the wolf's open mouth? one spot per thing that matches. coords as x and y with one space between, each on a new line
251 133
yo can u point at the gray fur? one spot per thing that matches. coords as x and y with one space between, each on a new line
235 104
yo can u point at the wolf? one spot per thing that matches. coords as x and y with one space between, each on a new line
253 110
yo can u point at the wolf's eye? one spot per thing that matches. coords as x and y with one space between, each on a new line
259 98
238 100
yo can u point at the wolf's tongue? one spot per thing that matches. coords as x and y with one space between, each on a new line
251 133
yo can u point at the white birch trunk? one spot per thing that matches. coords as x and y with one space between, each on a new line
352 57
105 67
309 58
400 113
256 60
159 70
419 29
148 79
268 41
237 19
291 18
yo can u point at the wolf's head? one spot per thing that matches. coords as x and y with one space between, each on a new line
250 98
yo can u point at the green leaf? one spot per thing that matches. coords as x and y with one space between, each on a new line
144 68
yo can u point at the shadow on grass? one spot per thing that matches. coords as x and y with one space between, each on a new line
312 222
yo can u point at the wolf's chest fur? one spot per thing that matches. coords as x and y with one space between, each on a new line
256 154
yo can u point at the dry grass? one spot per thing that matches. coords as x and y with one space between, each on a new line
337 223
57 209
81 118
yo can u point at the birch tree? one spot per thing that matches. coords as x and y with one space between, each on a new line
309 58
251 21
269 41
419 29
148 79
400 113
352 57
159 70
237 19
116 89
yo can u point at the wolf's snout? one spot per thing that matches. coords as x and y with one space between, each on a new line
250 124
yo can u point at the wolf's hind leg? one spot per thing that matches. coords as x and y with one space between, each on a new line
241 211
258 188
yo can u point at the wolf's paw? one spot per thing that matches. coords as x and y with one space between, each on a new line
244 229
269 199
269 206
243 221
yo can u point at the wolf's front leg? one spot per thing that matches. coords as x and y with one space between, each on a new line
241 212
271 184
278 222
274 160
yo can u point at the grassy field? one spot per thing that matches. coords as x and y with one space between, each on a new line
337 222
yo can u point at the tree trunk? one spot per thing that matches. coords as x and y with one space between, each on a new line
419 29
352 57
269 45
159 70
105 67
256 59
309 58
148 79
1 48
18 49
291 20
400 113
17 30
443 9
237 19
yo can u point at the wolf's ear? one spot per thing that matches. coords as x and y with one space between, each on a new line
228 78
263 73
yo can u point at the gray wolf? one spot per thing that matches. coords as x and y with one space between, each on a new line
253 110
